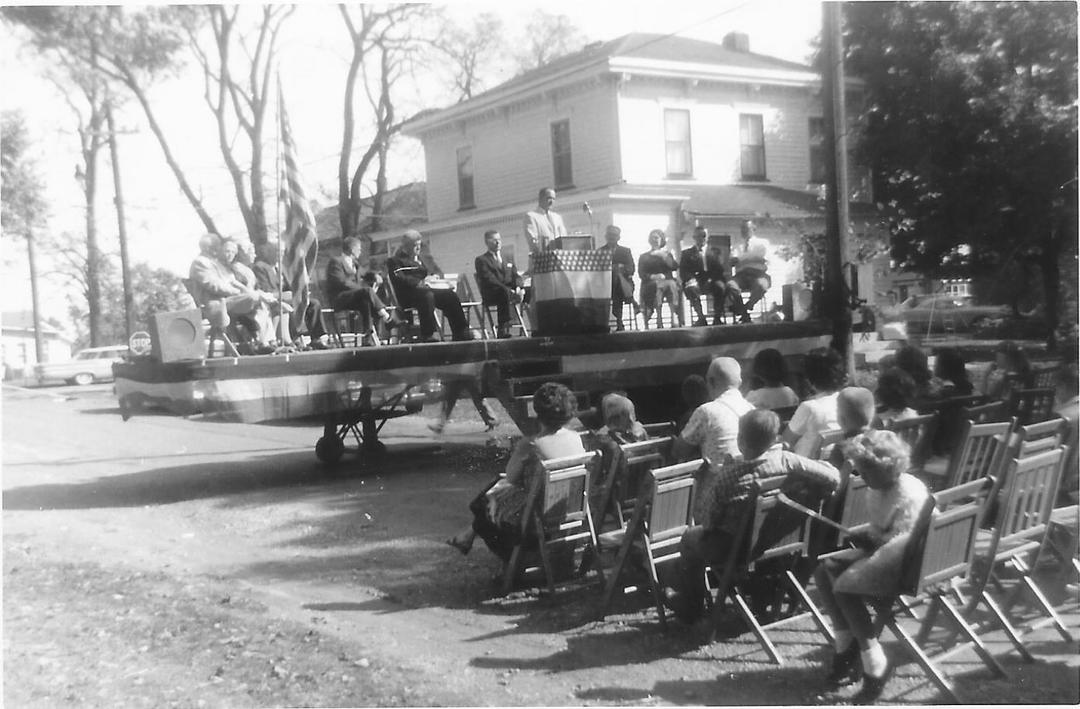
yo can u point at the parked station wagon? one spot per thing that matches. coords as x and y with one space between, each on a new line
94 364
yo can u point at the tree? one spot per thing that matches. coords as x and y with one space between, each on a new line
239 97
22 203
471 52
548 37
970 129
386 41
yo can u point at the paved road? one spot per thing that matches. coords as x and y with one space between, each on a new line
247 517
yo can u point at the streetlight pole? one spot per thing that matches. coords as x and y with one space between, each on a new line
121 221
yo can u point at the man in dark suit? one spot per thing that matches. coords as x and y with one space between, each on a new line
268 279
703 270
350 289
498 280
411 282
622 273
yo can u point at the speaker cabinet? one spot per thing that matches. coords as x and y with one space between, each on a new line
177 335
798 302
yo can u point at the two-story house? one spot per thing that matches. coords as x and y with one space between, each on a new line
652 131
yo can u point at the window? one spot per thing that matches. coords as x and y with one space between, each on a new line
466 198
751 146
677 142
817 151
560 154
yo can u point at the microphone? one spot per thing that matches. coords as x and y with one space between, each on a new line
586 208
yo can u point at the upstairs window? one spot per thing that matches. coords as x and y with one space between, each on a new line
466 197
751 146
560 154
677 143
817 151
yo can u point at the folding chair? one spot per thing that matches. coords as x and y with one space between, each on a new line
472 306
1031 405
937 558
991 412
744 557
556 514
487 309
662 513
213 312
662 429
917 432
980 454
1045 377
351 322
1020 531
826 441
1038 437
625 475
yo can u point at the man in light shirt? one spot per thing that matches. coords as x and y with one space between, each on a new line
713 428
751 273
543 225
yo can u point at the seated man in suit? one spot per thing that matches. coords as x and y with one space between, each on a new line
703 270
268 279
498 279
622 274
350 289
212 280
413 285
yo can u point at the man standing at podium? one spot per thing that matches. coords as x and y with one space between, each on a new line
543 225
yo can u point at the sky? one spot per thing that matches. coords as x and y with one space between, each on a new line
162 226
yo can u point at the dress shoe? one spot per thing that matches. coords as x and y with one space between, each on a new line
845 667
681 607
745 318
717 321
318 345
263 348
872 687
431 338
466 335
701 322
490 425
395 323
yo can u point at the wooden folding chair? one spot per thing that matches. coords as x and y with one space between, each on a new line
662 513
1038 437
980 454
1020 531
991 412
472 306
938 558
489 309
556 514
1044 377
918 433
1031 405
662 429
826 441
741 562
625 475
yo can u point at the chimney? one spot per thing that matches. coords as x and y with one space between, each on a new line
737 41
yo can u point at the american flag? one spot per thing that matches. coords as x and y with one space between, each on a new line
300 243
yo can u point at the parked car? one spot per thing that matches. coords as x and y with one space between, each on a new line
941 312
94 364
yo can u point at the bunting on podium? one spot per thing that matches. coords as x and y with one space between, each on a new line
571 291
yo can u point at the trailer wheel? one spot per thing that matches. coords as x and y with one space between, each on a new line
329 449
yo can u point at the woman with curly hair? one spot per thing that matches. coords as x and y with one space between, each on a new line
850 581
895 394
659 281
770 390
951 372
824 370
498 508
913 360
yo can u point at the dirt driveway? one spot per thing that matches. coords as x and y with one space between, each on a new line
171 562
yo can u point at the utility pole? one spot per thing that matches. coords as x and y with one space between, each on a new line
837 306
35 303
118 199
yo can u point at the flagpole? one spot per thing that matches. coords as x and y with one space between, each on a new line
282 322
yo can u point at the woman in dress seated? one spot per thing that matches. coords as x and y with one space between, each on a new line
497 510
658 280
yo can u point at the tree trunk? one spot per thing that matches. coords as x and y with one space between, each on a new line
121 224
31 255
1049 263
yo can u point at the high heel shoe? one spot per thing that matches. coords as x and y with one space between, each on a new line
872 687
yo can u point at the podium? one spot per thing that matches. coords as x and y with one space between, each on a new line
571 292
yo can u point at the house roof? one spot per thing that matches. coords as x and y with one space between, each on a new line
402 207
631 52
24 320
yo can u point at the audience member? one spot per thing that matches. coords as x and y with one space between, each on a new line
724 501
694 392
703 271
913 360
497 510
713 428
951 372
622 275
1010 362
498 280
658 269
895 395
825 373
770 373
413 285
848 582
